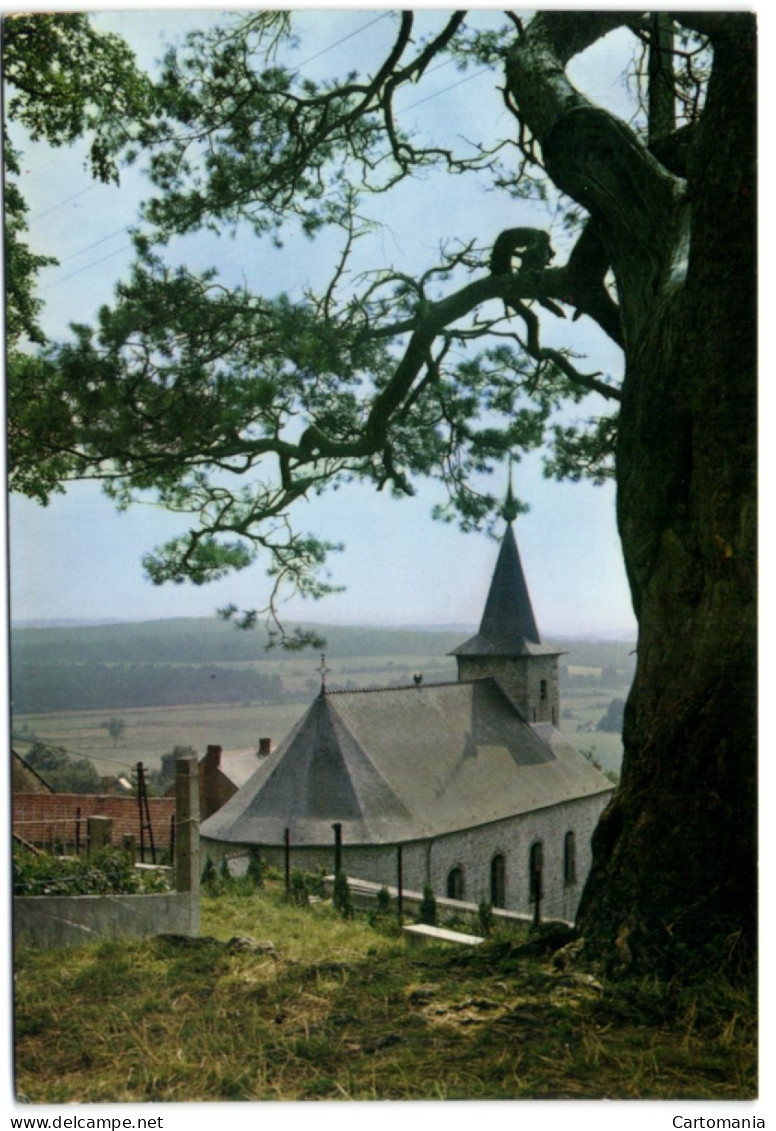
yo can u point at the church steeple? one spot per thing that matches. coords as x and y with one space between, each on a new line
508 645
508 624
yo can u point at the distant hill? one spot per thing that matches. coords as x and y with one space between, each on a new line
198 640
120 665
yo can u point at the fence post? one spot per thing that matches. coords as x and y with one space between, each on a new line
187 834
399 885
98 833
337 848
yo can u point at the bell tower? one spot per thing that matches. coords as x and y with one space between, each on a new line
508 646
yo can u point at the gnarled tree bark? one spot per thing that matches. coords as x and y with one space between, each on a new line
673 878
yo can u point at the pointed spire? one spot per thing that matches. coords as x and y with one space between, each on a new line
508 626
508 622
511 507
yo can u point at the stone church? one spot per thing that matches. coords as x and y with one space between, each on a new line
471 779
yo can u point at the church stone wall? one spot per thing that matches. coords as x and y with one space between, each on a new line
473 852
430 861
521 677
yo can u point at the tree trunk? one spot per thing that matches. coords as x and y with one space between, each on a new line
672 885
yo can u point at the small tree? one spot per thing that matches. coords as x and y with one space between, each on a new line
485 915
255 870
297 888
115 728
164 777
209 877
63 773
384 902
612 721
428 907
341 896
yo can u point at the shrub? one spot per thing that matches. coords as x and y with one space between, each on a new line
315 884
209 878
297 888
428 908
255 870
341 896
108 872
485 914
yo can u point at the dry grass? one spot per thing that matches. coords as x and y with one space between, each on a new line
344 1011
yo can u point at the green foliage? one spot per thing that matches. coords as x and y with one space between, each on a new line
163 778
485 917
256 868
115 728
59 687
67 81
612 721
341 897
109 871
384 902
427 912
63 81
209 877
297 888
63 773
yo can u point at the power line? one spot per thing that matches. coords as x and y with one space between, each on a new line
80 270
126 228
83 250
344 39
317 55
445 89
54 207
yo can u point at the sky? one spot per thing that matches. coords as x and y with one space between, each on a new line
79 559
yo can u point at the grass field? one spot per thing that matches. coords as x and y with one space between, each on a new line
341 1010
152 732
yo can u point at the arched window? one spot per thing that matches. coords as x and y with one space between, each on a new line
535 866
498 881
569 859
455 883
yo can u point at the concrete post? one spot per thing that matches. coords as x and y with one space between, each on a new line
187 869
98 831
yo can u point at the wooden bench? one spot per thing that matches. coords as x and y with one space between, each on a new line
418 934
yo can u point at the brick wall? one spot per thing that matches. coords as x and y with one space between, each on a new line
45 817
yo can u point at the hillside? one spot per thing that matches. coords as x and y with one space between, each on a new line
121 666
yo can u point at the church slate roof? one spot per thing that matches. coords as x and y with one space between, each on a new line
508 626
403 764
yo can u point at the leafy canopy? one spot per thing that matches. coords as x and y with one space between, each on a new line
228 403
64 81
